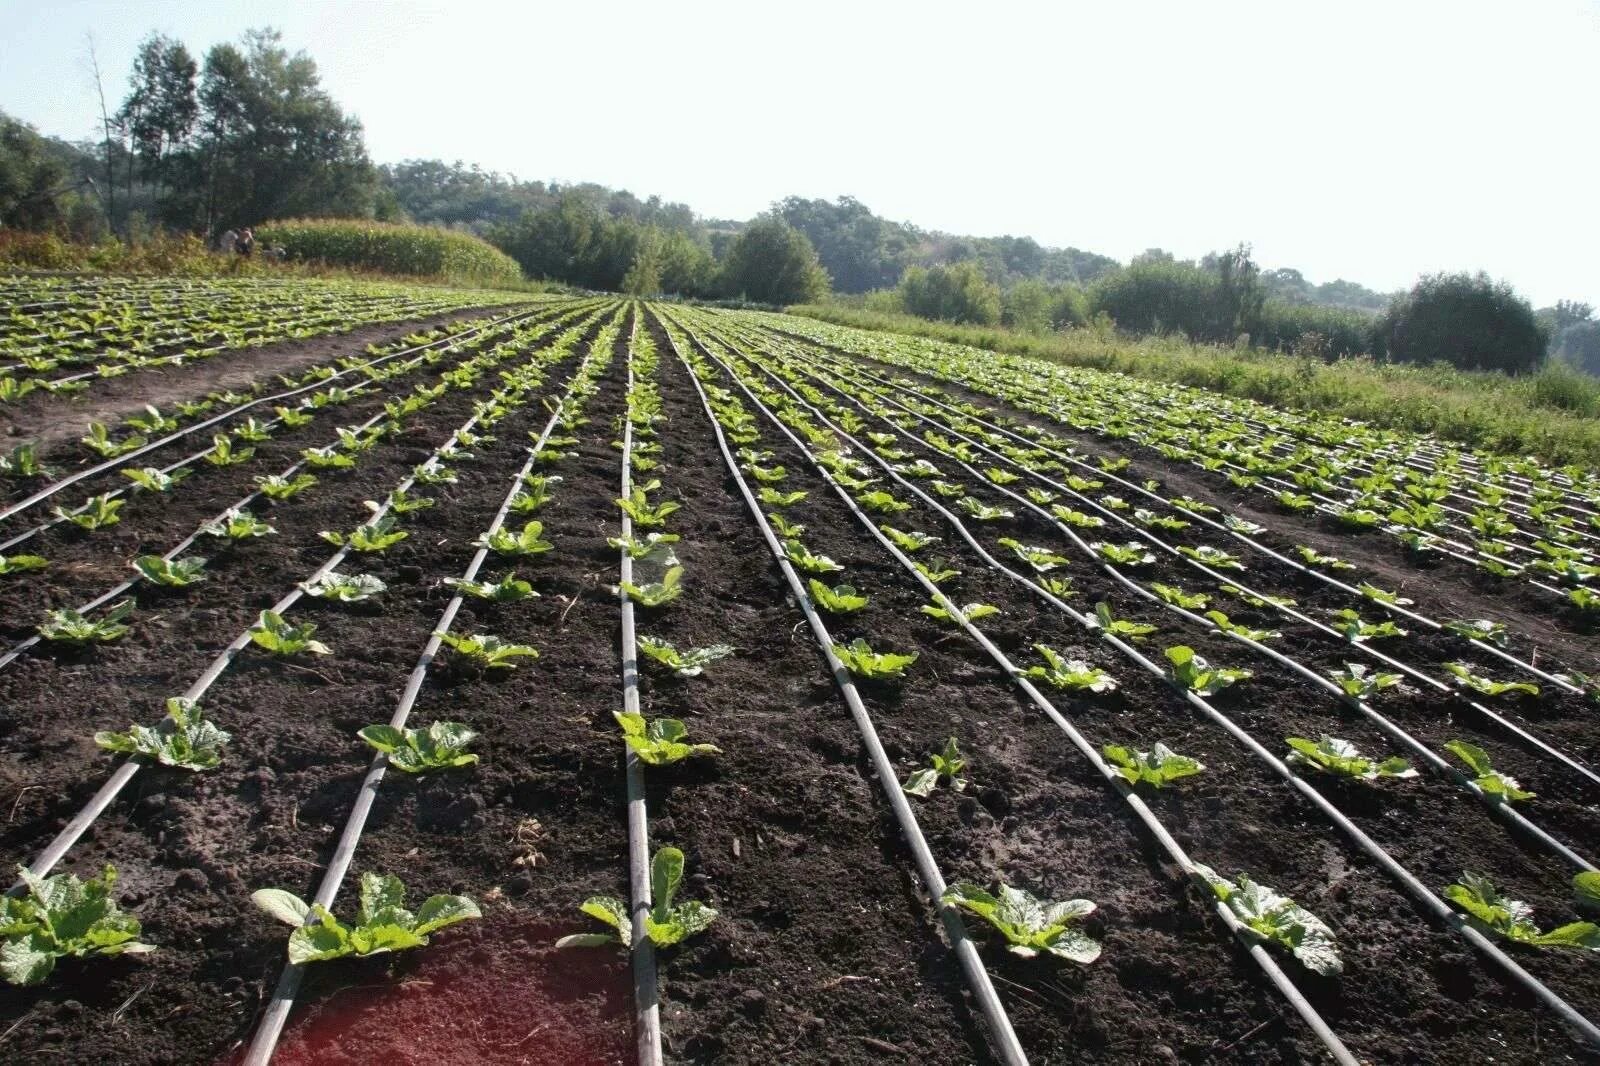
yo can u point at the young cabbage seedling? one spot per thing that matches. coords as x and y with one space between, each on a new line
1358 630
62 916
97 512
1260 603
913 541
70 627
1030 925
344 588
1586 889
22 462
382 922
1076 518
771 497
376 536
237 525
1512 919
1494 784
802 556
99 441
277 636
947 765
1158 767
651 545
642 512
1199 676
1171 594
660 742
223 453
509 589
1484 629
859 658
937 571
655 593
277 488
21 564
175 574
528 542
1110 625
970 612
1484 686
1277 920
152 479
840 599
1313 557
441 746
1331 755
487 650
1130 554
981 511
329 458
667 922
1357 680
690 662
1073 675
1224 623
184 739
1043 560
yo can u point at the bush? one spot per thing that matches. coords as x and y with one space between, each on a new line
391 248
1465 320
1326 332
956 293
771 262
1162 297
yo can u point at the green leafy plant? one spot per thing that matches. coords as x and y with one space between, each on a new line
375 536
1494 784
880 502
1357 630
771 497
1171 594
402 502
175 574
1512 919
277 636
536 494
806 560
487 650
1332 755
1484 686
1043 560
235 524
1110 625
1213 557
223 452
642 512
278 488
1277 919
1151 520
655 593
1073 675
22 462
509 589
859 658
96 513
382 922
153 422
62 916
970 612
659 742
99 441
667 922
690 662
1130 554
69 627
1077 518
1224 623
1030 925
937 571
185 738
1586 889
1484 629
651 545
344 588
947 765
441 746
21 564
1158 767
908 542
1313 557
1358 680
1260 603
981 511
840 599
530 541
1199 676
329 458
152 479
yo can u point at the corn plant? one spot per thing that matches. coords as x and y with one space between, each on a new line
382 923
487 650
1158 767
62 916
947 765
185 738
667 922
859 658
441 746
690 662
271 633
69 627
659 742
1030 925
175 574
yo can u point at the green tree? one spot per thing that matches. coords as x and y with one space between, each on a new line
31 179
161 109
1026 307
955 293
771 262
1466 320
644 276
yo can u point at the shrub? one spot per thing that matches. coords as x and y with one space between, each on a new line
393 248
1465 320
955 293
773 263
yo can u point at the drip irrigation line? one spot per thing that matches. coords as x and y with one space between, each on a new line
1403 876
1001 1031
1246 937
270 1028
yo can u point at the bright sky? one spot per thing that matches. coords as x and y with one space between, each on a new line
1367 139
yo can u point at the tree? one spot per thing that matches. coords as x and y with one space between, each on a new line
161 108
955 293
644 276
1465 320
30 178
771 262
1239 290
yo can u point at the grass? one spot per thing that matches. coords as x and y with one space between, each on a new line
1553 414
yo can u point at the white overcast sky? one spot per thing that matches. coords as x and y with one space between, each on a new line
1367 140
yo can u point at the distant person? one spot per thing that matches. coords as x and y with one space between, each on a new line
229 242
246 242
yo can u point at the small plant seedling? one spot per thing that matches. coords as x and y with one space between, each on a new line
840 599
655 593
1030 925
969 613
859 658
1278 920
1199 676
382 922
1043 560
667 922
1072 675
913 541
1357 680
62 916
175 574
280 638
441 746
235 524
487 650
650 546
344 588
690 662
70 627
1171 594
509 589
947 765
771 497
1512 919
659 742
642 512
96 513
1586 889
152 479
375 536
803 557
1158 767
1493 783
21 564
184 739
1110 625
530 541
1130 554
1331 755
278 488
1472 682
